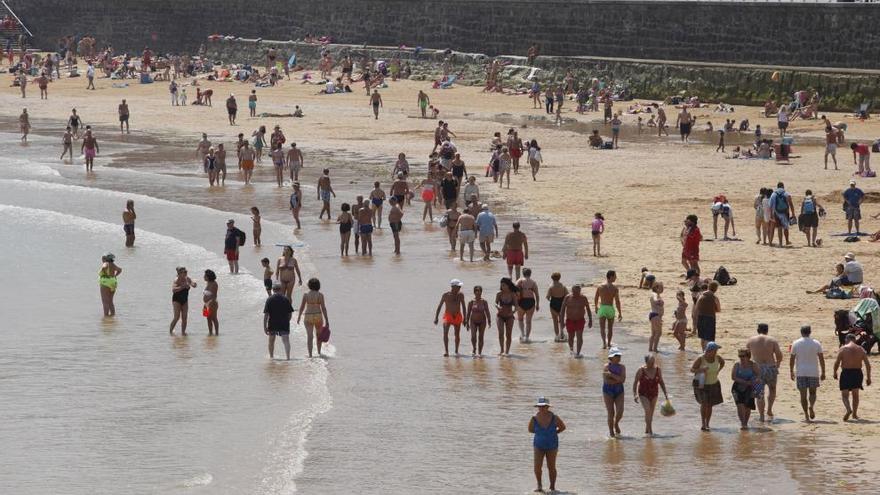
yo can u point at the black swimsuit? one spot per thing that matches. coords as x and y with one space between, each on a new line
181 297
345 227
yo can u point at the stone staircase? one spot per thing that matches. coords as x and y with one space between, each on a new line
12 32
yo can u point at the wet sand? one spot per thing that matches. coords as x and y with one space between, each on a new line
643 189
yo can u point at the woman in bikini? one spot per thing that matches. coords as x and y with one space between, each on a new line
107 282
505 301
656 317
679 327
646 387
287 271
556 294
427 186
209 298
180 299
313 312
296 203
345 222
477 319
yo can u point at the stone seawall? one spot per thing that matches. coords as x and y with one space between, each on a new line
841 90
794 34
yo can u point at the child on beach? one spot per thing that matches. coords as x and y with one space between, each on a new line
651 122
267 275
647 280
598 228
679 326
181 97
257 227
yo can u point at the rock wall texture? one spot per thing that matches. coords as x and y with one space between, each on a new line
794 34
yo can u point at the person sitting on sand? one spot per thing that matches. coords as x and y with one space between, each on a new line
835 282
596 140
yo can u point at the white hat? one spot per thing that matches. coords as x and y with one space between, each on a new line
542 402
455 282
614 351
849 256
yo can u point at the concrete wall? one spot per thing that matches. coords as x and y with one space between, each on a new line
825 35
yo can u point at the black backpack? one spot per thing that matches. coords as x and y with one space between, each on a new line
722 276
242 237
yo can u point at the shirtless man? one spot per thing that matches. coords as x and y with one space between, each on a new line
128 218
437 132
452 216
220 163
202 150
294 162
683 122
399 189
527 304
556 295
515 250
365 227
766 353
574 306
454 314
246 154
90 149
123 116
607 296
325 190
67 141
851 356
467 233
238 146
376 102
395 221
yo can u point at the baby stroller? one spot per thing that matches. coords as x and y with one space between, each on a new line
846 323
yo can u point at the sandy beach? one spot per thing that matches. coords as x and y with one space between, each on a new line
644 190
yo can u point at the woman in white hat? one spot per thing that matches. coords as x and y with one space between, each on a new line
546 426
614 376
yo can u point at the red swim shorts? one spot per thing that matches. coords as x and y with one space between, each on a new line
515 258
232 255
450 319
575 325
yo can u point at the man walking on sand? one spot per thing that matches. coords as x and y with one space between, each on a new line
376 102
231 108
574 307
515 250
851 356
782 211
807 368
123 116
454 314
853 197
766 353
607 296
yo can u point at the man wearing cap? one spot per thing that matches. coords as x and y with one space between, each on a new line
853 198
234 239
488 229
454 314
804 365
852 271
707 387
515 250
768 356
851 356
276 319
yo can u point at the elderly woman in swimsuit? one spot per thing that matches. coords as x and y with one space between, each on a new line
107 282
287 271
180 299
296 203
613 378
313 312
345 221
477 319
556 294
505 300
646 387
656 317
209 298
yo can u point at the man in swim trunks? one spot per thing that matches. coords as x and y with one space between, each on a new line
399 189
488 229
128 218
423 101
851 356
454 314
123 116
276 319
376 102
202 150
294 162
220 162
684 124
705 309
395 221
365 227
807 368
325 190
831 137
437 139
231 108
231 244
766 353
607 295
574 307
528 303
90 149
467 233
246 154
515 250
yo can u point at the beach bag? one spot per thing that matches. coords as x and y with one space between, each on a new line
666 409
324 334
722 276
242 237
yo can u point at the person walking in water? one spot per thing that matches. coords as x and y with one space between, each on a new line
128 218
313 312
851 356
107 282
574 307
607 295
546 427
613 378
180 299
707 388
646 385
505 301
515 250
89 149
768 356
453 315
807 368
277 313
477 319
325 190
746 376
235 238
